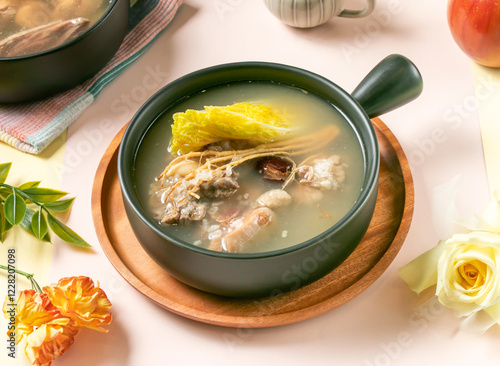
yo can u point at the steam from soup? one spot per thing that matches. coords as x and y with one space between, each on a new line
260 201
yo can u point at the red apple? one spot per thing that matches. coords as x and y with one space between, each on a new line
475 26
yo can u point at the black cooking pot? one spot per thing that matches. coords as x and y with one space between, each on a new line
390 84
40 75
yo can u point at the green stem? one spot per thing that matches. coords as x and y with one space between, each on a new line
21 193
29 276
26 196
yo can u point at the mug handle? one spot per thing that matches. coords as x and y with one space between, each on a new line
346 13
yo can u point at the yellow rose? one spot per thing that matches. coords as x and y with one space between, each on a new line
468 272
465 269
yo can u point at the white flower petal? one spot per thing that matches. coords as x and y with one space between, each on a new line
490 217
421 273
445 217
477 323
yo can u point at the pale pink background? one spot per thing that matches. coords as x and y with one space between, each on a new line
439 133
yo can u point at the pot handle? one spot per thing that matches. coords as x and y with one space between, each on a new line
392 83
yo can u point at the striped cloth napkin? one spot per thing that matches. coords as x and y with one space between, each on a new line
31 127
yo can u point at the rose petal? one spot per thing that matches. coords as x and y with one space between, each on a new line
421 272
494 312
490 217
479 249
477 323
445 217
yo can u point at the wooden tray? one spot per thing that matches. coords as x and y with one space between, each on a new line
384 238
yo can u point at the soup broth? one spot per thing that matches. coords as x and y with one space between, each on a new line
28 27
310 211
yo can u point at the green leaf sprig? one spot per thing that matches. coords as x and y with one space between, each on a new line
30 276
15 210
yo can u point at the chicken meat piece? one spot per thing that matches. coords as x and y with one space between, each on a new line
67 9
42 38
33 14
188 211
7 13
305 194
224 214
274 198
244 229
216 245
170 215
324 174
223 187
192 211
182 168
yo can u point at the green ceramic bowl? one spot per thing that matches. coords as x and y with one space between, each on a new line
41 75
390 84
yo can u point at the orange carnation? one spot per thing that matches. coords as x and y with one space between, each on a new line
82 301
50 341
51 320
31 310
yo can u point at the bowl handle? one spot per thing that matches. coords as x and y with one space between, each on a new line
392 83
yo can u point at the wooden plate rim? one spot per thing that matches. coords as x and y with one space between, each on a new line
254 321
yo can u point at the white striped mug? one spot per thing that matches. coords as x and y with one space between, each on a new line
311 13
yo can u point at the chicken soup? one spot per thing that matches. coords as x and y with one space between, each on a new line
32 26
249 167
